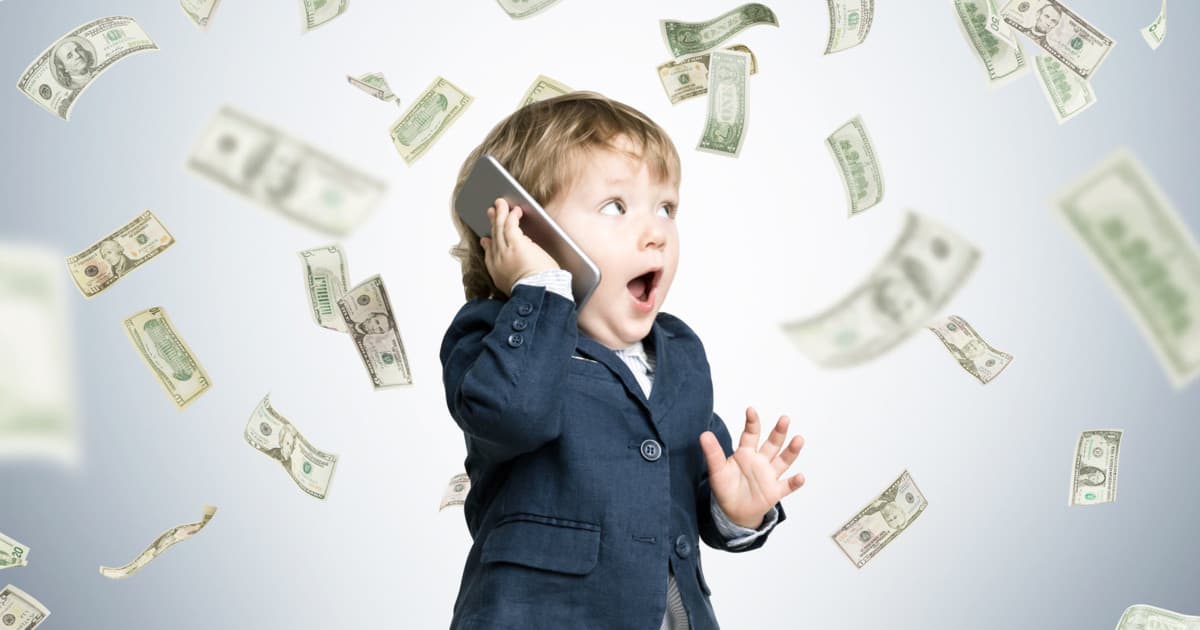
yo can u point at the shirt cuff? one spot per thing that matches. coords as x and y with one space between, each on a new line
555 280
735 534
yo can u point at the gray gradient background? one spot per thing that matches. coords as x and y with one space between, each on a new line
764 239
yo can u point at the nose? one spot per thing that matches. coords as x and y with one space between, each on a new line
653 233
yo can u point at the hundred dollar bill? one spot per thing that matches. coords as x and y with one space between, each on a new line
728 103
1157 30
924 269
1080 46
326 278
849 23
113 257
543 87
684 78
12 553
368 316
970 350
689 38
273 435
456 491
1143 617
1067 93
321 12
200 11
1147 254
1094 478
165 541
856 160
284 174
375 84
428 118
518 9
37 407
19 610
881 521
1003 61
56 78
167 356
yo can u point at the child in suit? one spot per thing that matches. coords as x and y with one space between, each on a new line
596 460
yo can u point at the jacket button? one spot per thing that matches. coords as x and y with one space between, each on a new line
651 450
683 546
519 324
515 339
525 308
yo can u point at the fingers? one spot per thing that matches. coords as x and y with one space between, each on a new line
500 213
775 439
750 434
713 455
788 455
512 227
794 483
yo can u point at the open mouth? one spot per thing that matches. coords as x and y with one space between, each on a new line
642 287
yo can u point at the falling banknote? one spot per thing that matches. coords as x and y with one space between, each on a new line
849 23
1080 46
689 38
1147 254
924 269
167 356
327 279
114 256
1067 93
375 84
12 553
858 163
543 87
274 436
1094 473
367 313
283 174
518 9
970 350
165 541
321 12
199 11
728 103
688 77
1157 30
64 71
456 491
19 610
1143 617
1001 60
427 119
881 521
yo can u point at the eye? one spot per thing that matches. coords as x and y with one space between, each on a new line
620 209
670 208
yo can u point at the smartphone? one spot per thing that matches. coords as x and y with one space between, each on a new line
488 181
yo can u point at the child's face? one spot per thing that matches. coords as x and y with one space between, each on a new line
623 218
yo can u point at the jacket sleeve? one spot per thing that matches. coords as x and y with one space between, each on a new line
503 364
710 533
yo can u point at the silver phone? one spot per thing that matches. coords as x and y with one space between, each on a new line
489 181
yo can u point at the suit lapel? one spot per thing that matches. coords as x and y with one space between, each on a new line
666 379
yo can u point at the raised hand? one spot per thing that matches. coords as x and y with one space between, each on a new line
747 484
508 253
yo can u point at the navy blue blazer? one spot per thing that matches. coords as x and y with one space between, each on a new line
582 490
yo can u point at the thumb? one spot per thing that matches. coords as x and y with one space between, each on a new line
712 452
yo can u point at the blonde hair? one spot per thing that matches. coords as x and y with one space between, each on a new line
541 145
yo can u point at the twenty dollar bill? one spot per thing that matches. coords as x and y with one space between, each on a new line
167 356
165 541
12 553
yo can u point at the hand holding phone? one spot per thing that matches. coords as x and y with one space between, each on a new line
509 254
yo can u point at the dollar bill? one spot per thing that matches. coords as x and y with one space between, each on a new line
1080 46
849 23
855 156
274 436
284 174
428 118
728 103
165 541
114 256
326 278
367 313
1067 93
518 9
998 27
37 400
924 269
56 78
19 610
321 12
167 356
881 521
688 77
1001 60
1094 474
1143 617
12 553
199 11
970 350
1156 30
689 38
375 84
1145 251
543 87
456 491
